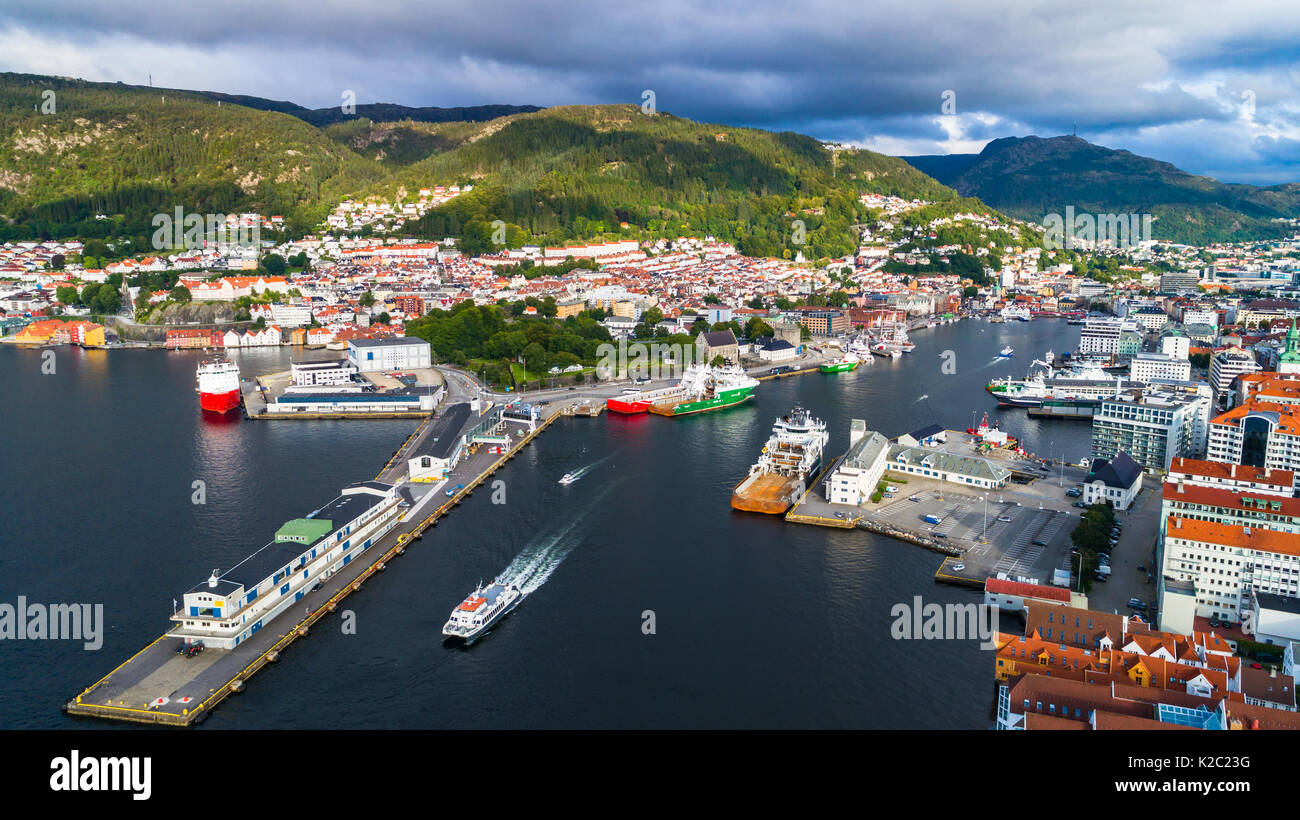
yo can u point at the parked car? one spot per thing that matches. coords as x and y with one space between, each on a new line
1004 518
958 567
1136 603
1099 577
1142 567
1038 542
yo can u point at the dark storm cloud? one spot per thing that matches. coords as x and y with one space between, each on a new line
840 70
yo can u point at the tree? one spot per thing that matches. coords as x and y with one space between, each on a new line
384 318
717 361
756 327
180 294
653 316
274 264
66 294
367 299
534 357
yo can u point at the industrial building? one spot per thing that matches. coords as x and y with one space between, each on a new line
396 353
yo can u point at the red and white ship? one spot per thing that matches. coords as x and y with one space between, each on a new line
218 385
638 401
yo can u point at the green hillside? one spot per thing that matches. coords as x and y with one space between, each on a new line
130 153
556 175
578 172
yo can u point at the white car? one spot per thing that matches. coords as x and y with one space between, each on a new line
958 567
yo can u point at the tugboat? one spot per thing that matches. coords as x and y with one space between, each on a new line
480 611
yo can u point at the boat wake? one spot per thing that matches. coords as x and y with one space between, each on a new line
535 564
582 471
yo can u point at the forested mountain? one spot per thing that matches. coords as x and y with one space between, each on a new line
1029 177
554 175
575 172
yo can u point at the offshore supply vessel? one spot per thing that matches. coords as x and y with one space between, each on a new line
704 388
791 458
218 387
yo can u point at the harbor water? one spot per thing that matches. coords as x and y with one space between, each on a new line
756 622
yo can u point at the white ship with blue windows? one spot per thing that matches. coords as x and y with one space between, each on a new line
230 607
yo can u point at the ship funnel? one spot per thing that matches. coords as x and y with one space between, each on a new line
212 579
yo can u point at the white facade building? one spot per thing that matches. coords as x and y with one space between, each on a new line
860 471
1147 366
396 353
1227 365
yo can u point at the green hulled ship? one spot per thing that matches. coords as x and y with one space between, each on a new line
841 366
708 388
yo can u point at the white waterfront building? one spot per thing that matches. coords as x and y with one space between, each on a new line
230 607
860 471
396 353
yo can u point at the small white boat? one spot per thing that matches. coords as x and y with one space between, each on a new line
1006 352
569 478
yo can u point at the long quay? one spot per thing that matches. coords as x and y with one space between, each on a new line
160 685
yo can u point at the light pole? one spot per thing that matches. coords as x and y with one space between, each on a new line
985 537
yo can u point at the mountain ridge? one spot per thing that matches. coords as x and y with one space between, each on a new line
1030 177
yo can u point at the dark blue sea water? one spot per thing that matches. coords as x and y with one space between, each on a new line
759 623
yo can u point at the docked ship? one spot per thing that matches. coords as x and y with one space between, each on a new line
1018 313
791 458
1087 383
218 385
480 611
704 388
844 364
889 339
638 401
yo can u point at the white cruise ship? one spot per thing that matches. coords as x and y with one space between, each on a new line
480 611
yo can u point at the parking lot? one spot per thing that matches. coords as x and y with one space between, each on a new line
1001 532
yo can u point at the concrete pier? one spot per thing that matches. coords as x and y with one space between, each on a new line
158 685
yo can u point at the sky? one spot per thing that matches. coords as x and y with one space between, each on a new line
1211 87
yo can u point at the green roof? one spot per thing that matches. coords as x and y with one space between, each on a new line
304 530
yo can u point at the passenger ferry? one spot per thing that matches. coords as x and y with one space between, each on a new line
480 611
